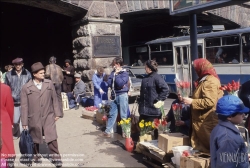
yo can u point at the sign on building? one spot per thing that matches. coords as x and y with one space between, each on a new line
184 7
105 46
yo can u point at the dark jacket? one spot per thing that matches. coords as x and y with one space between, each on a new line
227 147
120 83
153 89
16 83
69 78
54 73
185 116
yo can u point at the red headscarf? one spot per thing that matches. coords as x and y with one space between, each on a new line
203 67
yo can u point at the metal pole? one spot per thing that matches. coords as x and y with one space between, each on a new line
193 42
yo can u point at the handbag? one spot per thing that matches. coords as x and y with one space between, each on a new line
134 121
26 144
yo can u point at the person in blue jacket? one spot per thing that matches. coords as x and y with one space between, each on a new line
227 147
183 125
100 86
118 81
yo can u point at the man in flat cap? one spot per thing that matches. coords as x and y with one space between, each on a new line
54 73
68 80
16 78
40 111
78 92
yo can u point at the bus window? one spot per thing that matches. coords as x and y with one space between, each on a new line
246 47
230 40
166 47
155 47
199 51
212 42
185 56
178 56
163 58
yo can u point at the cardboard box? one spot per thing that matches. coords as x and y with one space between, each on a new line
88 114
199 161
167 141
99 118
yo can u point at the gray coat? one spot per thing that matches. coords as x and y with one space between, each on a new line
79 88
39 109
16 83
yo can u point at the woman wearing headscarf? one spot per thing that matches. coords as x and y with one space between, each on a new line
203 104
153 89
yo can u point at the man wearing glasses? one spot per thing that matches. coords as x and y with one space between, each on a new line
16 78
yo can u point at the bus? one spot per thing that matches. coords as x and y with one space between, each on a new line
228 51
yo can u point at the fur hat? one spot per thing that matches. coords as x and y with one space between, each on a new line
36 67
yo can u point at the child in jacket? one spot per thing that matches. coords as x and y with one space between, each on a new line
227 146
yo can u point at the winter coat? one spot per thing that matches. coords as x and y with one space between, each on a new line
16 83
185 116
204 118
7 112
80 88
99 84
153 89
39 109
228 149
120 83
54 73
69 78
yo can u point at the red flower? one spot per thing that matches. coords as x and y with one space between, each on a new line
164 122
174 106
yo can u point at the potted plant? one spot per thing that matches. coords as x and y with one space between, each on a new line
145 130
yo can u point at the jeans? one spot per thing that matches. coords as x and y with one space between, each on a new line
18 128
121 103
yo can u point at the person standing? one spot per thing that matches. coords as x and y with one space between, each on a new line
118 81
68 80
153 89
40 111
203 104
78 91
16 78
7 68
7 112
100 86
54 73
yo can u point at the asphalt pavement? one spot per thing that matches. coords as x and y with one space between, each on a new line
81 146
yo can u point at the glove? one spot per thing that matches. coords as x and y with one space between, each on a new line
101 91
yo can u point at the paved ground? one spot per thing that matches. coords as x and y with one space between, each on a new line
80 145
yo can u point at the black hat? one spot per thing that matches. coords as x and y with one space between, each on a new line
36 67
68 61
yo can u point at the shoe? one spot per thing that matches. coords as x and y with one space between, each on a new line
104 134
77 107
57 163
37 159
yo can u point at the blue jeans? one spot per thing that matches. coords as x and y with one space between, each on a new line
121 103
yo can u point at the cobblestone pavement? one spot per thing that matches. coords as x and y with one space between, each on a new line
80 145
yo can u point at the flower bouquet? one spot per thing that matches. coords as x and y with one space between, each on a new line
145 130
177 110
160 124
126 126
231 88
183 87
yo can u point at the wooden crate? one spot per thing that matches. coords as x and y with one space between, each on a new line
88 114
65 101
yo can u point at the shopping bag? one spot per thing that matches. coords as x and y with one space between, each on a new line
26 144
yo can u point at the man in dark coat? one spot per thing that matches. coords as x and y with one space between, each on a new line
40 111
54 73
68 80
15 79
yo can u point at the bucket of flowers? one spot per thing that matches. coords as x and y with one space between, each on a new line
126 128
145 131
231 88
